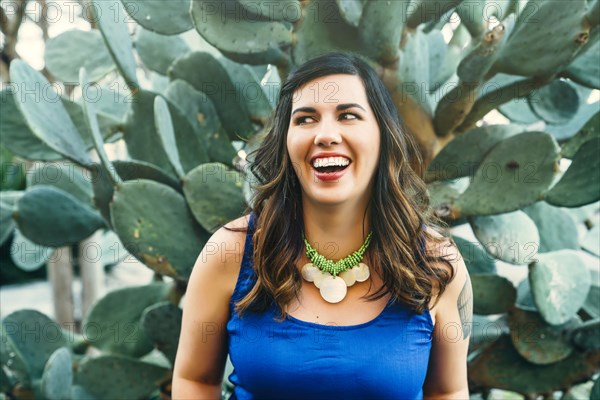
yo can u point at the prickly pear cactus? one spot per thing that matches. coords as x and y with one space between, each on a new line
502 98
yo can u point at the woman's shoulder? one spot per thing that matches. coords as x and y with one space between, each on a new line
221 257
445 247
229 241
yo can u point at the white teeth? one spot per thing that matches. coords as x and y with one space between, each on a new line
331 162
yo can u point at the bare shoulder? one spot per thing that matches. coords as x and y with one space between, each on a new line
445 248
461 283
221 257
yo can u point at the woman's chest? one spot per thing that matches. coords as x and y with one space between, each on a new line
383 358
354 309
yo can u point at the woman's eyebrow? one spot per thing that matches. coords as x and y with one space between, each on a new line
340 107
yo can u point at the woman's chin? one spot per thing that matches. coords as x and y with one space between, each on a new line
329 196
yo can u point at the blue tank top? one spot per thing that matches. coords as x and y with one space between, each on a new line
385 358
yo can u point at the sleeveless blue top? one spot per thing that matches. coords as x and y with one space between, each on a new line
385 358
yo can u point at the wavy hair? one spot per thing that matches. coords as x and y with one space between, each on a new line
399 204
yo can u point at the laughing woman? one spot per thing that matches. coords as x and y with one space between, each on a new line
335 284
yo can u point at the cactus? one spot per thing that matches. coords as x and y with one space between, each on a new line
577 179
185 68
556 227
157 51
162 20
89 50
139 217
64 176
209 99
475 258
556 103
28 255
214 194
500 233
118 328
524 53
525 164
559 293
162 324
7 224
48 121
39 219
58 375
589 131
465 153
536 340
117 39
492 294
164 127
116 376
502 367
30 352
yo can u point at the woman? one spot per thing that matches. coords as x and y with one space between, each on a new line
389 321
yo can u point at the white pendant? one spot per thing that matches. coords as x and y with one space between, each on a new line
361 271
333 290
348 276
309 272
318 278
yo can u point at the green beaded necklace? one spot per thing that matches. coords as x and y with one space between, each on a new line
336 267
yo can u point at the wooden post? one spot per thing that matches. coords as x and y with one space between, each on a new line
92 270
60 275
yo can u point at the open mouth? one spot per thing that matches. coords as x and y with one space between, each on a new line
330 165
331 169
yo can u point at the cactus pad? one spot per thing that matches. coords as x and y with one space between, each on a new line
536 340
214 194
58 375
515 173
580 184
34 337
54 218
156 227
511 237
464 154
492 294
73 49
48 120
556 227
113 322
476 259
237 34
110 19
560 282
162 324
555 103
118 377
158 51
500 366
156 17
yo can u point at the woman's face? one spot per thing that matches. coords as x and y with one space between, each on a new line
333 140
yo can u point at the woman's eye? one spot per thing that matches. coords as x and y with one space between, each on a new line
354 116
301 120
344 116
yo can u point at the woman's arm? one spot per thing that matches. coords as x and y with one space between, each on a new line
202 350
447 371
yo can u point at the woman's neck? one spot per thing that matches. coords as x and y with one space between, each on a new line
336 231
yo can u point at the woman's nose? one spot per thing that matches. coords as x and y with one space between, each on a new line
327 134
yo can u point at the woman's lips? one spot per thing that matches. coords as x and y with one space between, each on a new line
329 176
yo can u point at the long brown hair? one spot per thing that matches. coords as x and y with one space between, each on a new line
398 208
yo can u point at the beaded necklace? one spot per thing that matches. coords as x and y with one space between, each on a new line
324 272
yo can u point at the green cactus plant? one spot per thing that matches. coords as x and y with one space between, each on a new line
535 62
